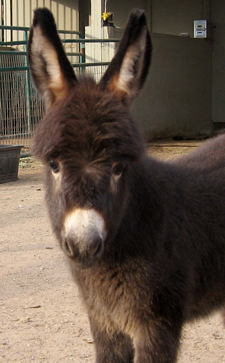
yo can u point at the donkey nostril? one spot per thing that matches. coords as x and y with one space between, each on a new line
67 248
96 246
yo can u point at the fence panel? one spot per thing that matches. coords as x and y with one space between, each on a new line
20 106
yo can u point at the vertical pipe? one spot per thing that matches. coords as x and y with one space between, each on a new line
149 9
81 50
1 20
28 89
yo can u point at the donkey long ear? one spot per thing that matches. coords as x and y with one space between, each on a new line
128 69
51 70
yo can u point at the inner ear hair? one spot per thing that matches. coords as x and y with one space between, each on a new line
128 80
46 69
51 70
128 69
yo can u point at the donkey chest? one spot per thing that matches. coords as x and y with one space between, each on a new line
115 298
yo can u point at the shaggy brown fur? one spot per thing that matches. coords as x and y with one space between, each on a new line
156 256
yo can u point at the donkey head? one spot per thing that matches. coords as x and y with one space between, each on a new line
87 139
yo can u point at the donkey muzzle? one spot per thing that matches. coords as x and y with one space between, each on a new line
84 234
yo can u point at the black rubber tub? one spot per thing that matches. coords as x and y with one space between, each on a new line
9 162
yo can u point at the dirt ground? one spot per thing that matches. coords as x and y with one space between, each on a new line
41 315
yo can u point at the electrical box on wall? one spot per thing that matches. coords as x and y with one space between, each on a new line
200 28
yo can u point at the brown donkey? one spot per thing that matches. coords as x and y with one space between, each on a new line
145 238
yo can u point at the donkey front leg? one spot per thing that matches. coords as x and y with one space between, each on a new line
113 347
158 343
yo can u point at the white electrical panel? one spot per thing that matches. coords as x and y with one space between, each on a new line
200 28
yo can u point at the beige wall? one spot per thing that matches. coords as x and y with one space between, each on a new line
177 96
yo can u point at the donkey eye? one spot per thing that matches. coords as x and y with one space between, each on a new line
54 165
118 168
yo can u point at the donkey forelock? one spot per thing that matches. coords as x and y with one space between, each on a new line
89 123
